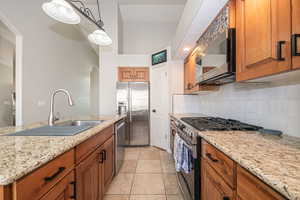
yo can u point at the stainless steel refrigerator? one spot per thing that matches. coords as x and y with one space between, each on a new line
134 96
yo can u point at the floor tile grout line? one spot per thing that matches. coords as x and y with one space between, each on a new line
133 180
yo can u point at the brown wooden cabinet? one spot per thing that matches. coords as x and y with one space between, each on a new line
64 190
89 177
108 164
189 74
221 163
251 188
263 30
39 182
223 179
92 161
133 74
190 84
296 34
213 186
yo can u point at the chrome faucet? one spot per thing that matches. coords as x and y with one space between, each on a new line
52 118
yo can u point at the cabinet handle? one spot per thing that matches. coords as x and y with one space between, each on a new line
105 154
50 178
101 157
74 186
279 50
295 44
211 158
226 198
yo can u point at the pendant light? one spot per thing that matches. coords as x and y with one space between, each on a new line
61 11
100 37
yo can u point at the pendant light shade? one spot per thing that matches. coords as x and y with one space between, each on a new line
62 11
100 37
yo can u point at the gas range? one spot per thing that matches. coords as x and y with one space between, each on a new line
218 124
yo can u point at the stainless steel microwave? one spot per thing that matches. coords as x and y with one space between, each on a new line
216 53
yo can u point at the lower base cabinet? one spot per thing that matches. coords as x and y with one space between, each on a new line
95 173
108 163
64 190
245 185
251 188
213 186
89 177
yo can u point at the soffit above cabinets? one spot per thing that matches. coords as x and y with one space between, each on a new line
196 17
151 13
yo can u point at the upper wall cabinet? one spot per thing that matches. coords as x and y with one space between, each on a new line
133 74
264 37
296 33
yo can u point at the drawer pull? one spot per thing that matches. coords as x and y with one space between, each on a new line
105 155
101 157
211 158
50 178
74 186
295 45
226 198
279 50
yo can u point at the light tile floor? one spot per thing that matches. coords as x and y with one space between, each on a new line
148 173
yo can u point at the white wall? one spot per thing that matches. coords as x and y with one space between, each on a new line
120 32
6 76
145 38
134 60
273 107
6 88
55 56
109 60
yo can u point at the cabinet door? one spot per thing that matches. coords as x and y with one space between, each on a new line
64 190
189 75
213 186
296 33
108 167
141 74
251 188
89 177
126 74
263 37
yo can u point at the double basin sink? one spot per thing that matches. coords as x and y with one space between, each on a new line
67 128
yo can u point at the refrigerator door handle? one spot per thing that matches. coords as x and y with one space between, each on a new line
130 104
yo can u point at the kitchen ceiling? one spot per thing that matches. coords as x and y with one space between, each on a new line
153 2
151 11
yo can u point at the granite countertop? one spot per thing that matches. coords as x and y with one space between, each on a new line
273 159
20 155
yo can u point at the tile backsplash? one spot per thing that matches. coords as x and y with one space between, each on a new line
267 105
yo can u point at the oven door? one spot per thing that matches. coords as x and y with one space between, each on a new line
188 182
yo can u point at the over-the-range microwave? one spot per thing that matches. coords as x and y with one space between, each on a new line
216 52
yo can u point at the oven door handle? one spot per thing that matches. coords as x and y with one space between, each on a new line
192 148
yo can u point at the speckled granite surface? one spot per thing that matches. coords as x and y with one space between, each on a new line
273 159
21 155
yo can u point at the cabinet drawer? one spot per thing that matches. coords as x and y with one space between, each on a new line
220 162
36 184
251 188
64 190
90 145
213 186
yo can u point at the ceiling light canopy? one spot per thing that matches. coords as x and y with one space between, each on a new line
63 11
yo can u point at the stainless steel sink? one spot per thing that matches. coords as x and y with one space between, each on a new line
68 128
91 123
